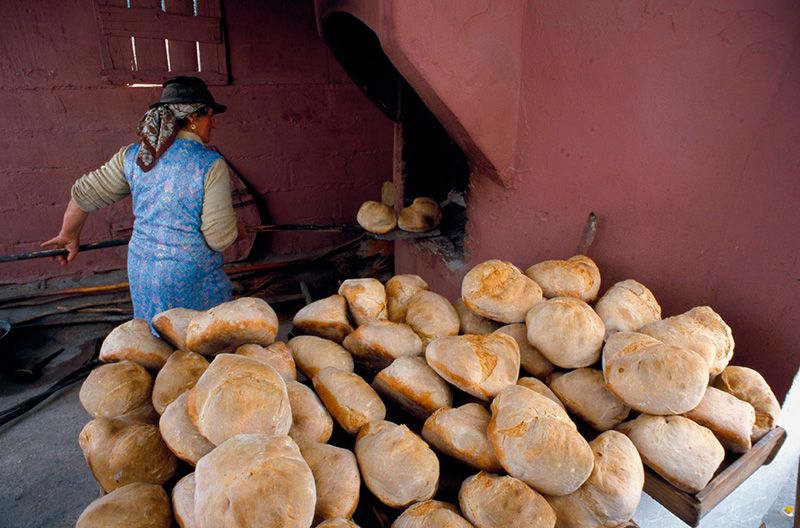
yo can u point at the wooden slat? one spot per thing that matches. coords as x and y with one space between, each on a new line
151 55
157 77
212 57
183 55
115 52
154 23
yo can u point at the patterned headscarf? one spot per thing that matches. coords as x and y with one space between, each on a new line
158 129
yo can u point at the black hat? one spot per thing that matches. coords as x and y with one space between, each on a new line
184 89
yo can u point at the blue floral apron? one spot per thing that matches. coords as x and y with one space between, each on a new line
169 263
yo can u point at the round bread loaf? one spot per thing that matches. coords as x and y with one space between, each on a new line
538 386
227 326
431 514
530 359
136 505
376 217
338 523
700 330
278 355
399 290
179 374
499 291
422 215
116 389
577 277
312 354
237 395
431 316
652 377
233 480
626 307
566 331
584 393
376 344
611 494
120 452
183 501
413 386
461 434
750 386
180 434
366 299
536 442
472 323
134 341
478 365
310 421
684 453
729 418
397 466
491 501
349 399
336 477
172 324
324 318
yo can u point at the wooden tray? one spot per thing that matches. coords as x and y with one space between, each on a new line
690 508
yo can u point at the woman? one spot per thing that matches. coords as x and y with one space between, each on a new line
182 206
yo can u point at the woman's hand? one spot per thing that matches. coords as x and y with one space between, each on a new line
69 242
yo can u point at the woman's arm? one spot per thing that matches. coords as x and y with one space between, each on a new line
218 219
70 235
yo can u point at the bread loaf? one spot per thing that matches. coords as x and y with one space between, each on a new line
376 344
324 318
750 386
134 341
472 323
233 481
180 434
366 299
349 399
310 421
491 501
172 324
530 359
431 514
183 501
700 330
121 452
376 217
729 418
626 307
566 331
399 290
397 466
227 326
538 386
422 215
236 395
577 277
338 523
413 386
137 505
278 355
116 389
536 442
584 393
652 377
179 374
312 354
684 453
336 477
499 291
461 434
479 365
430 315
611 494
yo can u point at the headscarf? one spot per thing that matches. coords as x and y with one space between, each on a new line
158 129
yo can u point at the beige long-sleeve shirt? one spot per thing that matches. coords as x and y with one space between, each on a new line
107 185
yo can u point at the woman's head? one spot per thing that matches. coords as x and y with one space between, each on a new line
200 122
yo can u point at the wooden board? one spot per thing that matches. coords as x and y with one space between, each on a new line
691 508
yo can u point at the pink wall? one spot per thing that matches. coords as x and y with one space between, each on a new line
297 128
678 123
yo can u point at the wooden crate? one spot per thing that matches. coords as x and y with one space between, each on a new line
690 508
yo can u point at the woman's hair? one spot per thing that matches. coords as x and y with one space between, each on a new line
182 123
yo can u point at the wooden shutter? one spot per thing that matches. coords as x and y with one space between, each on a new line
149 41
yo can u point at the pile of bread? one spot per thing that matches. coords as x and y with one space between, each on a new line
424 214
499 381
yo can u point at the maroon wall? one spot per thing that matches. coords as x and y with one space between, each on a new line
297 128
677 122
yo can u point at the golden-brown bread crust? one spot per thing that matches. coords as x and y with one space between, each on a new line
461 434
326 318
431 514
227 326
750 386
584 393
116 389
180 434
310 420
179 374
728 417
499 291
183 501
278 355
377 343
413 386
349 399
376 217
472 323
577 277
492 501
134 341
530 359
627 306
171 325
422 215
431 316
399 290
336 477
366 299
539 386
566 331
312 354
136 505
